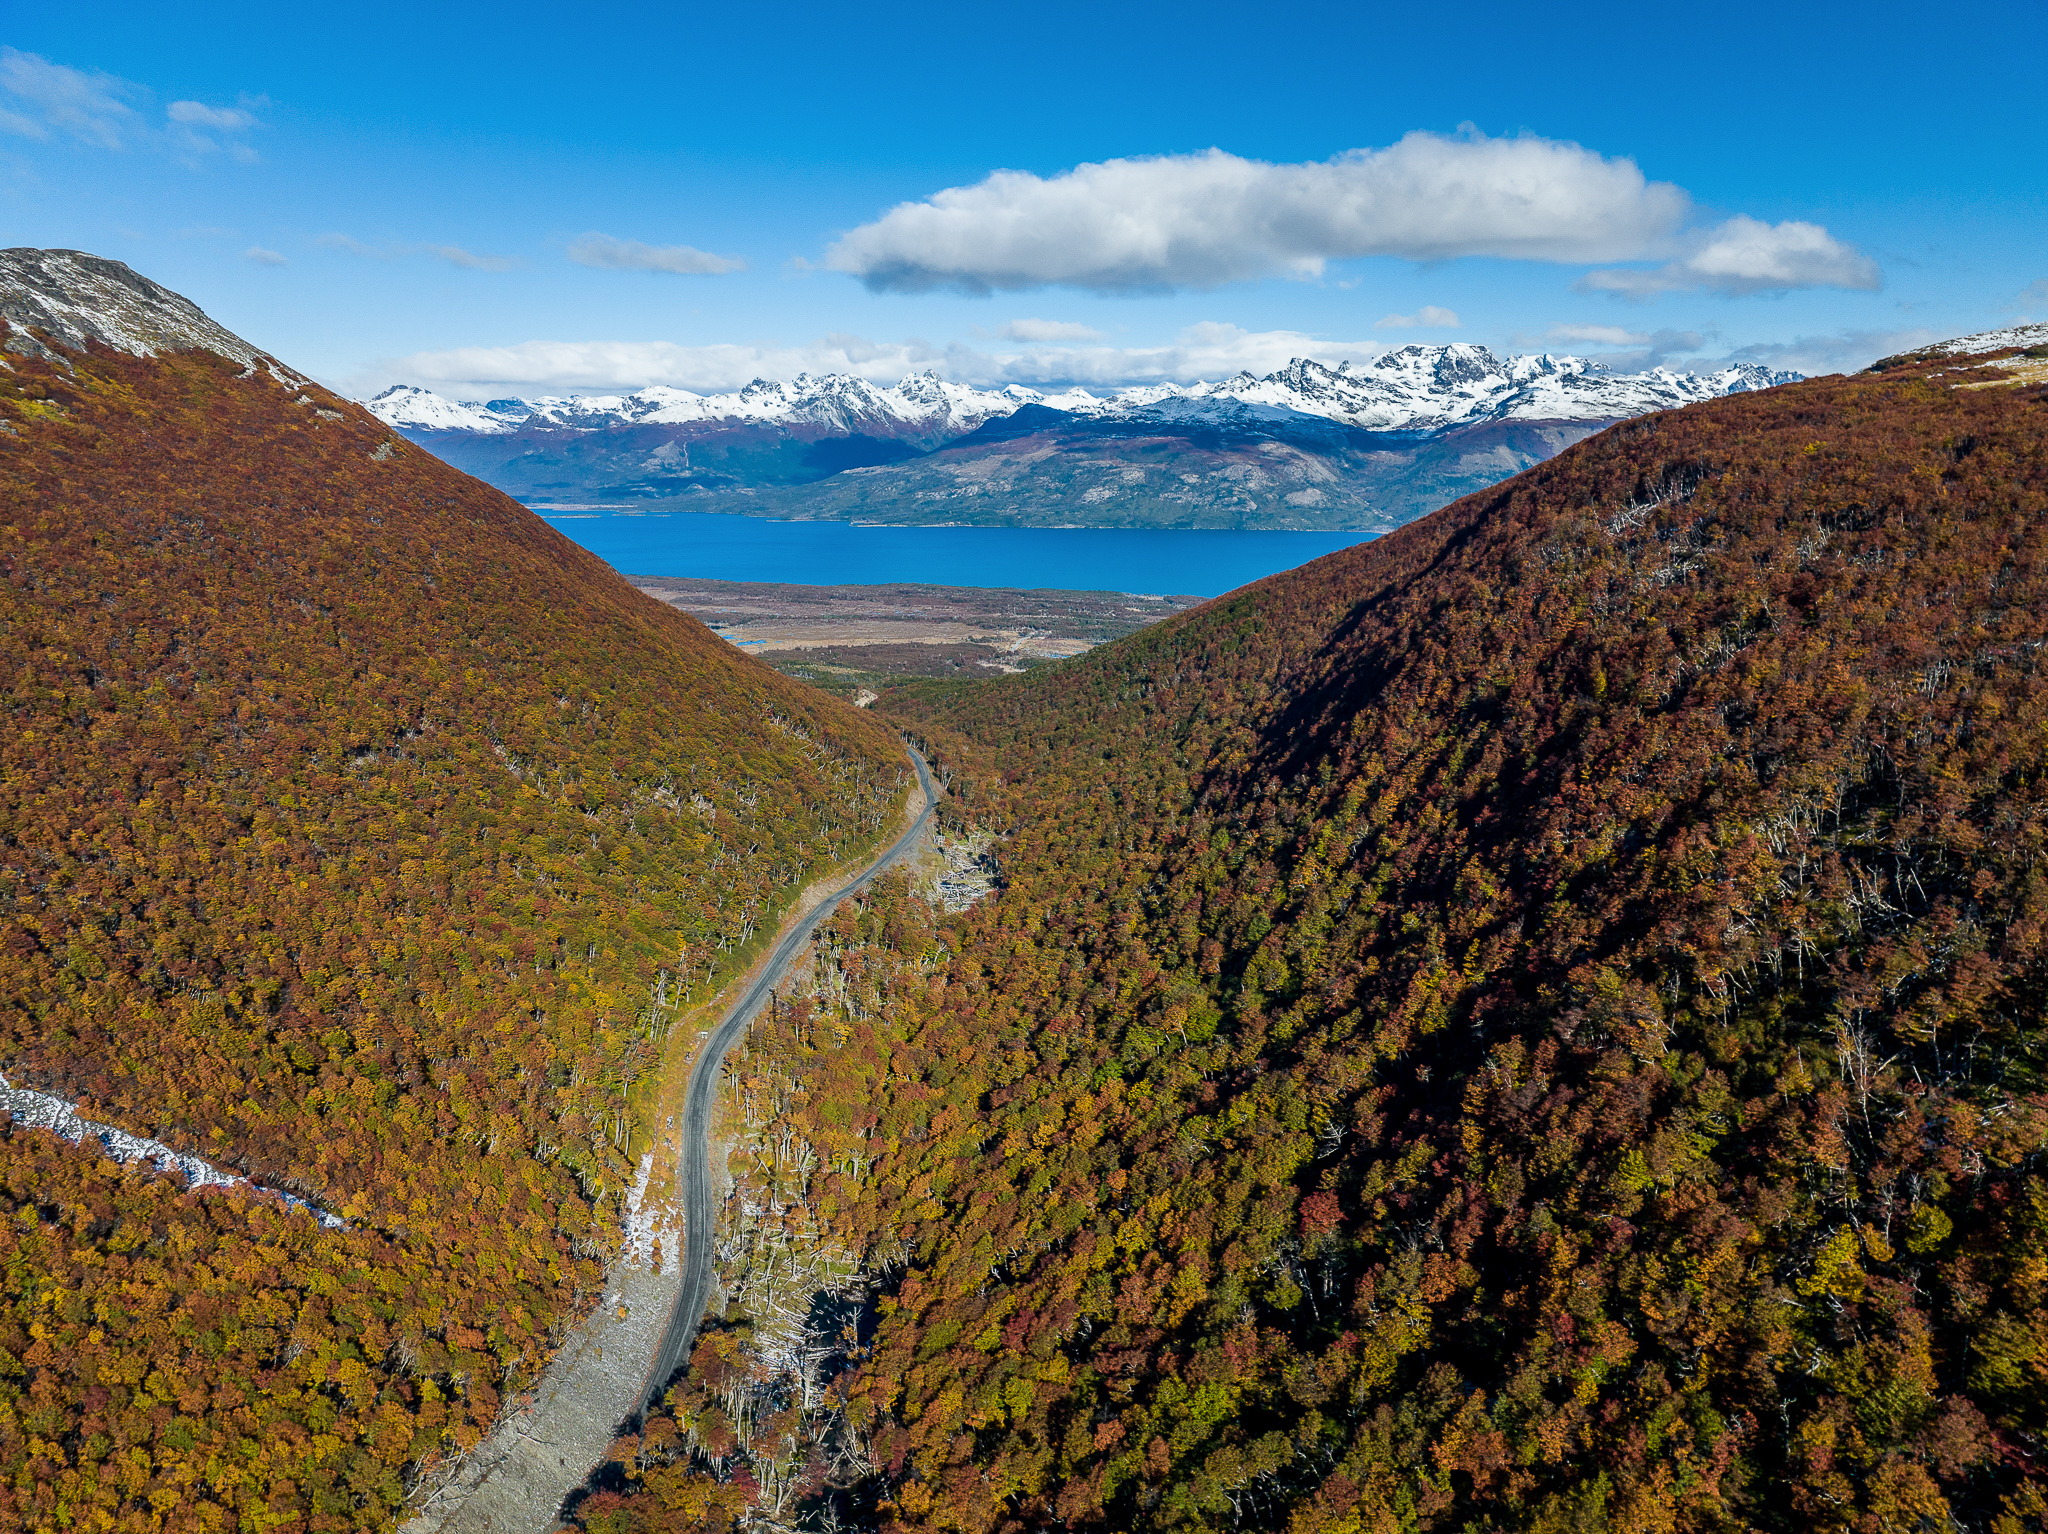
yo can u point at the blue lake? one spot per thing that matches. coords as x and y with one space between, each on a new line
712 546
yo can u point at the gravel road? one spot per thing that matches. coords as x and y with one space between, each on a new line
699 1203
624 1356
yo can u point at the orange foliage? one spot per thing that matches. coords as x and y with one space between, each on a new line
361 834
1535 1022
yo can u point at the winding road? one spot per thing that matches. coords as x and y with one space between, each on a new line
700 1207
540 1453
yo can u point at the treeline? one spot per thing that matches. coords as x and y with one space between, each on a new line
363 835
1536 1022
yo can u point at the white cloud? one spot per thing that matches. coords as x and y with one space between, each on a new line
1634 351
1428 317
100 109
198 114
350 245
264 257
1747 255
1596 335
1205 351
88 105
197 130
1199 220
2032 298
455 255
601 250
1846 352
1049 330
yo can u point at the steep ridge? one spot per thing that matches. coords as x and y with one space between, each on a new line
74 299
1536 1022
1306 446
363 836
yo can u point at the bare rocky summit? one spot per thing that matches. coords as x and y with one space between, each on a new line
76 299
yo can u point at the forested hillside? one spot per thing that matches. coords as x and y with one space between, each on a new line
364 836
1532 1023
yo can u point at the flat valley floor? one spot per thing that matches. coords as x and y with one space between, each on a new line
850 639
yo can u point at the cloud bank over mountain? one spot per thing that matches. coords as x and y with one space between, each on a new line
1202 351
1206 351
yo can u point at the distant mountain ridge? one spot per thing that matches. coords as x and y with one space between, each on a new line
1413 388
1309 445
922 406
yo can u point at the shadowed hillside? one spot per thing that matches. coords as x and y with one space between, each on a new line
1532 1023
361 834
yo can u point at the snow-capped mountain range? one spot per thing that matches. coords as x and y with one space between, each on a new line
1310 445
1435 388
921 405
1412 389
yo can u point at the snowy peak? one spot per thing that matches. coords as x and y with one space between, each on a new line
74 299
1412 389
1415 389
923 404
423 410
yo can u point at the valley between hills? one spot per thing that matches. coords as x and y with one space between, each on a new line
1535 1022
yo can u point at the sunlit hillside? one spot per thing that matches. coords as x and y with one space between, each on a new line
1535 1022
362 835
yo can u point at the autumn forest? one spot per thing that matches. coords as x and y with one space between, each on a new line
1534 1023
363 834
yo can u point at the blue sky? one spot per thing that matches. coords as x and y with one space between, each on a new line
515 199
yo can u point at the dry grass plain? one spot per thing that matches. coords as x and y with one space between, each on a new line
849 638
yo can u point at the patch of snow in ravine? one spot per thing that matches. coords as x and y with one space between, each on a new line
42 1110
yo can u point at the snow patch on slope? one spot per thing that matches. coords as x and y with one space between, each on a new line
1989 341
654 1234
74 299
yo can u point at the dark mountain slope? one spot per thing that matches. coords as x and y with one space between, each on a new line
1535 1022
542 461
1217 470
361 834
